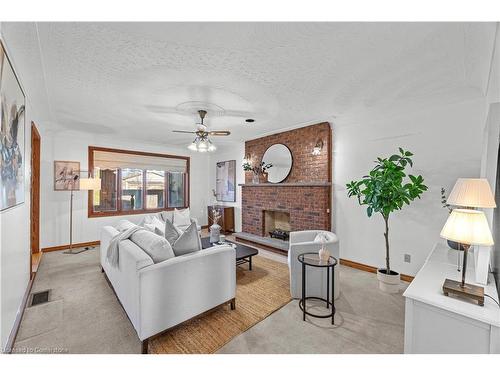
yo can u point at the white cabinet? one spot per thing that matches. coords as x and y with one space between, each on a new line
435 323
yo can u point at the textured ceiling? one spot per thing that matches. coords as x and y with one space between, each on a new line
142 80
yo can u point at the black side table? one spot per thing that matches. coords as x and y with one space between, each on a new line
313 260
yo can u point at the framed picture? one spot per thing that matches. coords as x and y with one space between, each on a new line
12 123
66 175
225 181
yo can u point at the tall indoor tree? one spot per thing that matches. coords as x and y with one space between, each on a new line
388 188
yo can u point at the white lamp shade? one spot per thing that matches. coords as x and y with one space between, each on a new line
472 192
467 227
90 184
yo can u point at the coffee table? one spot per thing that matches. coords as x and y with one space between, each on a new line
244 253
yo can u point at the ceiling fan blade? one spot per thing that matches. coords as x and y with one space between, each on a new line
219 132
182 131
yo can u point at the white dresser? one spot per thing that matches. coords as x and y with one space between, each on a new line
435 323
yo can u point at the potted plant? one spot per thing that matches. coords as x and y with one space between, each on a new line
258 170
386 189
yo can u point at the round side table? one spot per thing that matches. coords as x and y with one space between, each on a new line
313 260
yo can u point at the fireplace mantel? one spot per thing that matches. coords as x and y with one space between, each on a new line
288 184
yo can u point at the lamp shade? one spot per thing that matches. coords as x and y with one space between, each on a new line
472 192
467 227
90 184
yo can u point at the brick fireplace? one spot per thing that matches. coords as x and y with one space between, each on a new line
303 200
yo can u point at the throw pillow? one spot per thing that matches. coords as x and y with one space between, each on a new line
149 227
321 237
123 225
167 215
182 218
188 242
171 233
159 226
157 247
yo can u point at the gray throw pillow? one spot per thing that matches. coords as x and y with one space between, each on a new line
157 247
188 242
172 233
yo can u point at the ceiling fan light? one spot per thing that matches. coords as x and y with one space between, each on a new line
192 146
211 147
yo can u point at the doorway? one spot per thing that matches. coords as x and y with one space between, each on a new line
35 199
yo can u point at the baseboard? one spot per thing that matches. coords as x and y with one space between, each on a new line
19 317
75 245
367 268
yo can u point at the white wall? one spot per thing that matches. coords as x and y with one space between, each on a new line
74 146
447 143
236 152
15 235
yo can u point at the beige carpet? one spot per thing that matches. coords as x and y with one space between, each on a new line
259 293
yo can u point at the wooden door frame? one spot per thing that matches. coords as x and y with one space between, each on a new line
35 193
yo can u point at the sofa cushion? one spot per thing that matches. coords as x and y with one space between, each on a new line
182 218
149 227
157 247
171 232
188 242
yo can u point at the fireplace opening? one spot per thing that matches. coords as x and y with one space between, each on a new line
276 224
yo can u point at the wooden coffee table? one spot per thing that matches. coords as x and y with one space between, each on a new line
244 253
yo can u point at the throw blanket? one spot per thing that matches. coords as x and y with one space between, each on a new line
112 254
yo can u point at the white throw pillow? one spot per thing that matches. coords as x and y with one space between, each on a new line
167 215
171 232
182 218
149 227
157 247
123 225
188 242
321 237
158 225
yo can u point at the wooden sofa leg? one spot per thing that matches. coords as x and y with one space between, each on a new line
102 269
145 346
233 304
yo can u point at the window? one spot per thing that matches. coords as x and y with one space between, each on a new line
137 182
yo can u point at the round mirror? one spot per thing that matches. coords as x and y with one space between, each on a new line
281 159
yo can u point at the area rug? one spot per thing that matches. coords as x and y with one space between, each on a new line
259 293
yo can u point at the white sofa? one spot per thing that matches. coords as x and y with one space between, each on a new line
159 296
316 285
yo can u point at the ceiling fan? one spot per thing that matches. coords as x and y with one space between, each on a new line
201 143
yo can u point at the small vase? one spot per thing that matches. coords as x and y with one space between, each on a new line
256 178
215 233
324 254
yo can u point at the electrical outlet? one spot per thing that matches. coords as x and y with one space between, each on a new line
407 258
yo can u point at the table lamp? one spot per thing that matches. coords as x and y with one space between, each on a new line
472 193
467 227
85 184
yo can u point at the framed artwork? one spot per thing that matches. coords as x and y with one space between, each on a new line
66 175
225 181
12 123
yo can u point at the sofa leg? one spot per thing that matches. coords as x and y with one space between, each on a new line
102 270
145 346
233 304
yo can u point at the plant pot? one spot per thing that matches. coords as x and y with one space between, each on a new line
388 283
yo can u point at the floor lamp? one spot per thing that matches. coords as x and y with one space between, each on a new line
86 184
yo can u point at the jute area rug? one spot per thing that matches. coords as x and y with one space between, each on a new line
259 293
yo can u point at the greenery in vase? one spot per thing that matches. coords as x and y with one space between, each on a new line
386 189
258 169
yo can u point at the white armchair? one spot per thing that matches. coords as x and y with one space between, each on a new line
303 242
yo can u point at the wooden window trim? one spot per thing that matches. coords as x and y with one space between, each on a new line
144 210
